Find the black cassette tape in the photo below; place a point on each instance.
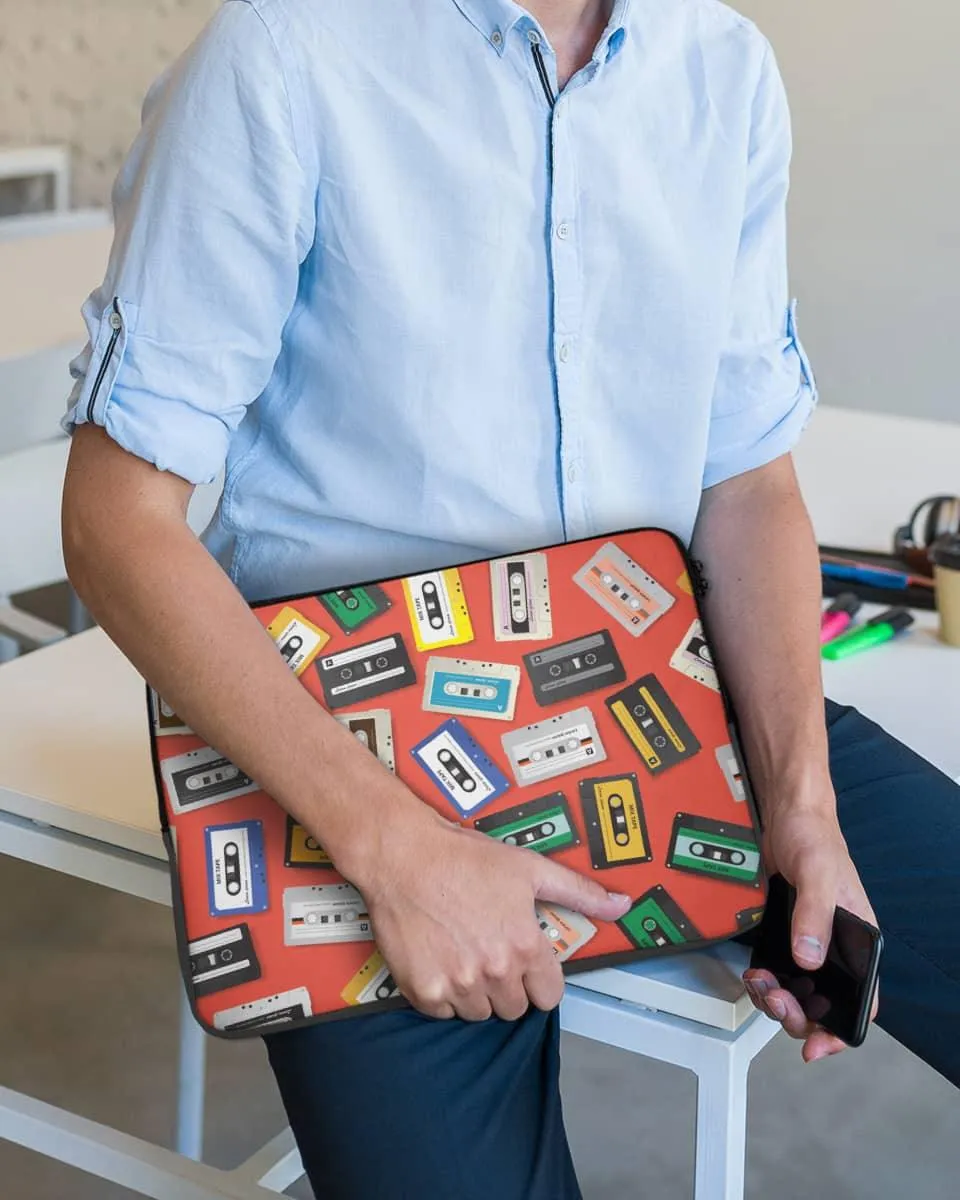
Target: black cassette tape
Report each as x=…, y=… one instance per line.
x=356, y=675
x=573, y=668
x=222, y=960
x=749, y=918
x=653, y=723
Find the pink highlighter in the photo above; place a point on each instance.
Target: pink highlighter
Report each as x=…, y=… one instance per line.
x=839, y=616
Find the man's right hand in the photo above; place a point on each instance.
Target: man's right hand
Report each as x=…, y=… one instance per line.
x=453, y=915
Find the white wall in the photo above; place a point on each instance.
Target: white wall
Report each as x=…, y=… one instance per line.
x=875, y=209
x=74, y=72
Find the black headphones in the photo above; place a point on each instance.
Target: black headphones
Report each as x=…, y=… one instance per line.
x=931, y=519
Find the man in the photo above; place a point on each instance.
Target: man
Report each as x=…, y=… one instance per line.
x=441, y=279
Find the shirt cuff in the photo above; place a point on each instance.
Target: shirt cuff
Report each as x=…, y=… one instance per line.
x=779, y=439
x=160, y=423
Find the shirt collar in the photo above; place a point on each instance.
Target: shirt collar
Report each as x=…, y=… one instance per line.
x=496, y=18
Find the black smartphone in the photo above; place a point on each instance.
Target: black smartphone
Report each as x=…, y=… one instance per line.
x=839, y=995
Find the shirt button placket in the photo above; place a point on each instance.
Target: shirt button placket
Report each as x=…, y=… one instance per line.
x=567, y=306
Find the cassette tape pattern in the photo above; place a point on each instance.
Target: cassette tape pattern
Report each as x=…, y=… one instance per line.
x=583, y=719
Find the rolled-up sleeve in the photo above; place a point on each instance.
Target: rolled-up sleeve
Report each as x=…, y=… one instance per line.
x=765, y=389
x=214, y=215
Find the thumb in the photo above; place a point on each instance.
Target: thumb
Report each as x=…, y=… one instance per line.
x=572, y=890
x=813, y=913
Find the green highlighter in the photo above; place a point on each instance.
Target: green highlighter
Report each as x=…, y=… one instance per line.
x=876, y=631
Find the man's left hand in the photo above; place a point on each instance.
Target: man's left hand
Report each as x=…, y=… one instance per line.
x=805, y=845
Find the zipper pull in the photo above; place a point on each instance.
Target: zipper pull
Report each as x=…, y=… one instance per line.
x=700, y=585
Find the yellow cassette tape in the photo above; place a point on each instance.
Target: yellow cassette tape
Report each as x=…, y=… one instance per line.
x=613, y=815
x=684, y=583
x=303, y=849
x=372, y=982
x=438, y=610
x=298, y=640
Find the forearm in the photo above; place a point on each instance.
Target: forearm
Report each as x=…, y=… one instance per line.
x=759, y=555
x=177, y=616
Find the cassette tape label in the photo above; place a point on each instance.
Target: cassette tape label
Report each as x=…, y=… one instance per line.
x=460, y=768
x=298, y=640
x=614, y=820
x=334, y=912
x=356, y=675
x=236, y=868
x=222, y=960
x=705, y=847
x=373, y=729
x=438, y=610
x=472, y=689
x=572, y=669
x=520, y=591
x=623, y=589
x=652, y=722
x=545, y=825
x=282, y=1009
x=567, y=931
x=656, y=920
x=693, y=658
x=352, y=608
x=203, y=777
x=568, y=742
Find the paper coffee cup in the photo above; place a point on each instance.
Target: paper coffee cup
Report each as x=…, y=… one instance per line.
x=945, y=556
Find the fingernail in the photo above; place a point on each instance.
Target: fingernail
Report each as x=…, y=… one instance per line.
x=756, y=989
x=620, y=897
x=808, y=950
x=777, y=1009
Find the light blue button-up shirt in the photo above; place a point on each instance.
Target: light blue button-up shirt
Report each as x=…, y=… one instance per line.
x=427, y=309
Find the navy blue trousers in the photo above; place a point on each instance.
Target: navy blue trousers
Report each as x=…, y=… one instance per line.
x=402, y=1107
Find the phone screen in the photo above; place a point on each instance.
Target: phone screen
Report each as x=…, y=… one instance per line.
x=838, y=995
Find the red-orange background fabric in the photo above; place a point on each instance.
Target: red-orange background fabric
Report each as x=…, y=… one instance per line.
x=693, y=786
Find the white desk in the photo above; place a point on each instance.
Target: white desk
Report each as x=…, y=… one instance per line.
x=43, y=282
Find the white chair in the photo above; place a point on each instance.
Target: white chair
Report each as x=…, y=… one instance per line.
x=690, y=1010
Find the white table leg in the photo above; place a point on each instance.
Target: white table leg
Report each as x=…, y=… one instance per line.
x=721, y=1128
x=191, y=1082
x=719, y=1059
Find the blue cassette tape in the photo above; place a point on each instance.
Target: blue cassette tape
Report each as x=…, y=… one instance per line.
x=236, y=869
x=473, y=689
x=464, y=772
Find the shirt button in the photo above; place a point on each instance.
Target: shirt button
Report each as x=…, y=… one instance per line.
x=565, y=352
x=563, y=231
x=573, y=471
x=497, y=38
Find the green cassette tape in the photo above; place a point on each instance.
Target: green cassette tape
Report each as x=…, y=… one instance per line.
x=353, y=607
x=545, y=825
x=656, y=920
x=705, y=847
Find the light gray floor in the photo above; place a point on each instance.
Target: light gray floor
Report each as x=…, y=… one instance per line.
x=88, y=999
